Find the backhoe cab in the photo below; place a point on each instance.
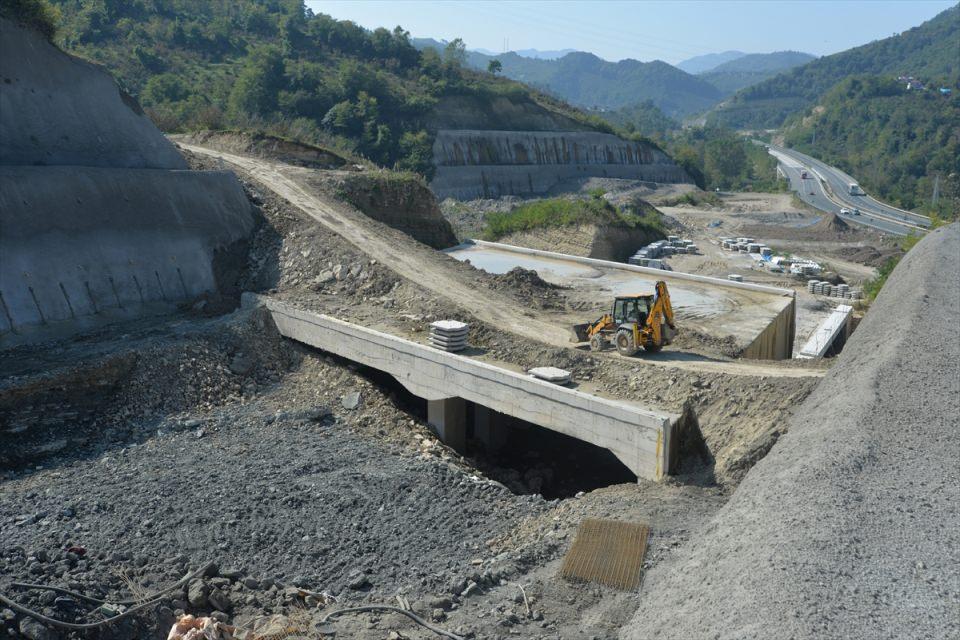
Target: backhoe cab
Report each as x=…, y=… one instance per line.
x=635, y=321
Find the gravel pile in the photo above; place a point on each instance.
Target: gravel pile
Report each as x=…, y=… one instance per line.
x=317, y=481
x=849, y=528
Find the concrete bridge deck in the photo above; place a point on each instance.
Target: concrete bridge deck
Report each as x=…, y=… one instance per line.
x=640, y=438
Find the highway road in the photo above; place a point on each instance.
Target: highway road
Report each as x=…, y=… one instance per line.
x=827, y=188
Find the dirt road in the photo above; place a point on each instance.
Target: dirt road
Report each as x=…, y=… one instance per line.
x=434, y=271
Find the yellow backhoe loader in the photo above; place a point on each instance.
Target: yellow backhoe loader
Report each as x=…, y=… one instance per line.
x=644, y=320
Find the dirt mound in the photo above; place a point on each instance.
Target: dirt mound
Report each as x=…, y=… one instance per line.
x=527, y=284
x=262, y=145
x=869, y=256
x=831, y=223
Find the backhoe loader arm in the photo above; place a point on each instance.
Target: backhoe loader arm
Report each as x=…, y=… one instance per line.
x=661, y=308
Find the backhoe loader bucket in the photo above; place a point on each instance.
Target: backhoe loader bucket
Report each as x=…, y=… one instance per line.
x=579, y=332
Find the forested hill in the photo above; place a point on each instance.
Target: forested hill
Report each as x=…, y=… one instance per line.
x=900, y=143
x=273, y=65
x=929, y=50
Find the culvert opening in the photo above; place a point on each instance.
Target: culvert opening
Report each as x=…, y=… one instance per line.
x=531, y=459
x=523, y=456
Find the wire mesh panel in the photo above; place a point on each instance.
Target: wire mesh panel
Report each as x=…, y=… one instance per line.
x=608, y=552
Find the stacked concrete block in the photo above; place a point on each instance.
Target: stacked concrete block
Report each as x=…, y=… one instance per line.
x=448, y=335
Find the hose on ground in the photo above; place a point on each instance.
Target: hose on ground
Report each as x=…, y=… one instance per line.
x=383, y=607
x=83, y=626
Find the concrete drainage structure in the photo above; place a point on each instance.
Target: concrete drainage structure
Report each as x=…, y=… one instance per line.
x=761, y=319
x=640, y=438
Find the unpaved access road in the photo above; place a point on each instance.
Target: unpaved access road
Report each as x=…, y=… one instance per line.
x=431, y=269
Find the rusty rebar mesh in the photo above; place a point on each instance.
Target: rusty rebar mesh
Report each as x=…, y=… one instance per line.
x=608, y=552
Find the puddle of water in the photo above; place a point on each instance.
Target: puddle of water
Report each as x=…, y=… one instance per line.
x=607, y=283
x=496, y=261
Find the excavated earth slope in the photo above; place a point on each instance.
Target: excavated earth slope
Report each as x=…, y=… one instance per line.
x=849, y=528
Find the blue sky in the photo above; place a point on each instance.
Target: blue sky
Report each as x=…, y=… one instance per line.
x=670, y=31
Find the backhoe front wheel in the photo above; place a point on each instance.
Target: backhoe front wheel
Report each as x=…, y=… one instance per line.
x=597, y=343
x=625, y=343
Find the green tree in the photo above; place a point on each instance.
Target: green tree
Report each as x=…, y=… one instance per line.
x=724, y=161
x=494, y=67
x=260, y=80
x=166, y=87
x=455, y=52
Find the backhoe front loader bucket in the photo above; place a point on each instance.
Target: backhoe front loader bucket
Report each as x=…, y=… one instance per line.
x=579, y=332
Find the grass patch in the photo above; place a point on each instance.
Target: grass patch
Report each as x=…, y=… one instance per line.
x=565, y=212
x=872, y=287
x=694, y=199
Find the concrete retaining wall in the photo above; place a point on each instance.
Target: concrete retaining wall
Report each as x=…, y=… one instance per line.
x=640, y=438
x=776, y=341
x=56, y=109
x=83, y=244
x=489, y=164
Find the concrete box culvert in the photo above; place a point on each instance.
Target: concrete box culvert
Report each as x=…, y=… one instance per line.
x=641, y=438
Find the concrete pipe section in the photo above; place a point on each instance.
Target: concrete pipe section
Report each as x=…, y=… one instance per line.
x=640, y=438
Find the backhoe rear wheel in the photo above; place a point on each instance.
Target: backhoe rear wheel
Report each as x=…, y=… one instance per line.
x=625, y=344
x=597, y=342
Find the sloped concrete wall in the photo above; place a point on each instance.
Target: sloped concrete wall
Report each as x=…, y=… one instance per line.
x=89, y=243
x=488, y=164
x=56, y=109
x=99, y=218
x=850, y=527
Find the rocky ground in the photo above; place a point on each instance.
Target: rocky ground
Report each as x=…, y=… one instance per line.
x=157, y=446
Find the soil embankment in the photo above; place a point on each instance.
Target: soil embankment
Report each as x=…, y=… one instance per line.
x=604, y=242
x=261, y=145
x=849, y=527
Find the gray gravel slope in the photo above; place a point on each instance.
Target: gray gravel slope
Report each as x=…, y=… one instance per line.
x=849, y=528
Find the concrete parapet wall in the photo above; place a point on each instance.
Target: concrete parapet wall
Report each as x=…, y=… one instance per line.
x=640, y=438
x=661, y=273
x=489, y=164
x=79, y=244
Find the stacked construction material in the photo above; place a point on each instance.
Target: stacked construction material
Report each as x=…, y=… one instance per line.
x=834, y=291
x=448, y=335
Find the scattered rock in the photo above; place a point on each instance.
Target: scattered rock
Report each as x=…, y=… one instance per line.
x=351, y=400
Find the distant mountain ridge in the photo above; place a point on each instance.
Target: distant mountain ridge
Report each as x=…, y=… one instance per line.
x=929, y=50
x=708, y=62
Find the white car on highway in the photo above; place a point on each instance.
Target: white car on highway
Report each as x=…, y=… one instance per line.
x=844, y=211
